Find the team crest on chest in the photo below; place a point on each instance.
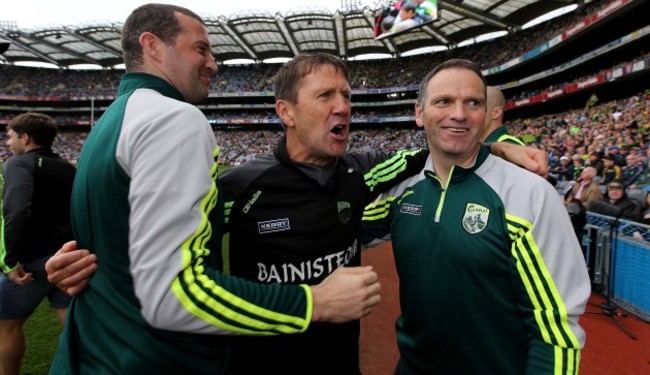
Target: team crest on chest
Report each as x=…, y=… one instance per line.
x=345, y=211
x=475, y=218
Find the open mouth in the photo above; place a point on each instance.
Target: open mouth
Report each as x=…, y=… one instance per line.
x=338, y=130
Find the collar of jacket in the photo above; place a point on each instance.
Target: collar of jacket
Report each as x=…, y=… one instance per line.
x=321, y=174
x=140, y=80
x=458, y=173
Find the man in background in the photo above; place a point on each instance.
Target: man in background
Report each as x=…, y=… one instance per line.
x=611, y=171
x=586, y=189
x=35, y=224
x=495, y=131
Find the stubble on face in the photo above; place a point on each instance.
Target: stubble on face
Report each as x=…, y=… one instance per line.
x=190, y=64
x=318, y=128
x=453, y=116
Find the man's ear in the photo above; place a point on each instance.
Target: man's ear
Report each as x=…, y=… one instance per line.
x=418, y=116
x=26, y=138
x=497, y=112
x=284, y=109
x=150, y=45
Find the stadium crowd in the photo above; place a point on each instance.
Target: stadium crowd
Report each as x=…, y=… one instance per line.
x=365, y=74
x=574, y=139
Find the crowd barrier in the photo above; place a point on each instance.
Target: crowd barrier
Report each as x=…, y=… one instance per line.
x=617, y=253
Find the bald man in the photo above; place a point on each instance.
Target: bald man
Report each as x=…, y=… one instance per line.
x=494, y=130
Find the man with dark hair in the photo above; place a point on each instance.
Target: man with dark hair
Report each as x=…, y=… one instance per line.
x=492, y=278
x=35, y=224
x=147, y=203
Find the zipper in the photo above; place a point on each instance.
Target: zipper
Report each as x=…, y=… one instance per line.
x=443, y=194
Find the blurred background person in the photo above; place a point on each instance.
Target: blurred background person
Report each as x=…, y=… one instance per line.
x=616, y=196
x=36, y=223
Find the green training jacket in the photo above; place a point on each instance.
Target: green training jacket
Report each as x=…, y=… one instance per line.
x=492, y=278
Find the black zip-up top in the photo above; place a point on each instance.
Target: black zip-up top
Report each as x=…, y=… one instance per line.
x=295, y=223
x=35, y=206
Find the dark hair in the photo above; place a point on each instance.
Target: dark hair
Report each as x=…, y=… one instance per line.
x=158, y=19
x=449, y=64
x=387, y=23
x=409, y=7
x=41, y=128
x=287, y=79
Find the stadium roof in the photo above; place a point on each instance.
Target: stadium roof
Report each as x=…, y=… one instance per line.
x=261, y=35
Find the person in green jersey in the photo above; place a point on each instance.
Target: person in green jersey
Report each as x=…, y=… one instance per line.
x=492, y=277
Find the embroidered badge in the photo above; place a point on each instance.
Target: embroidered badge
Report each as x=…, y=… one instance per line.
x=271, y=226
x=475, y=218
x=345, y=212
x=411, y=209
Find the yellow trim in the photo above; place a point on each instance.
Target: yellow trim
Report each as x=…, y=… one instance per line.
x=406, y=194
x=193, y=249
x=283, y=321
x=378, y=210
x=310, y=305
x=511, y=139
x=388, y=169
x=531, y=256
x=443, y=195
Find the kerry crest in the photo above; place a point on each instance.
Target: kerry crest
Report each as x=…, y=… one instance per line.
x=345, y=211
x=475, y=218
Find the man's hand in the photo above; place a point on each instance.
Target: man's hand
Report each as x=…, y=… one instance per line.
x=70, y=269
x=19, y=276
x=347, y=294
x=533, y=159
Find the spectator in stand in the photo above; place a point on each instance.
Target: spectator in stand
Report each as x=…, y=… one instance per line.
x=645, y=214
x=596, y=162
x=618, y=158
x=586, y=189
x=578, y=166
x=564, y=171
x=624, y=150
x=617, y=196
x=611, y=171
x=643, y=179
x=631, y=171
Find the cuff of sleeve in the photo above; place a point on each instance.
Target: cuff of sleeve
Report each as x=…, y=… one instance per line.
x=309, y=304
x=8, y=269
x=487, y=145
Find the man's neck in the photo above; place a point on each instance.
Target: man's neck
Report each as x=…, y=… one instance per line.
x=443, y=163
x=29, y=148
x=300, y=154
